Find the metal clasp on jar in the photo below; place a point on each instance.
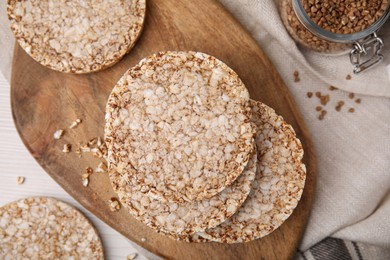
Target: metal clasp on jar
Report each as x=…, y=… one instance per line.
x=366, y=53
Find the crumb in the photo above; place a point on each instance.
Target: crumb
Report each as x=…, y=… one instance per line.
x=58, y=134
x=85, y=149
x=318, y=108
x=131, y=256
x=114, y=204
x=75, y=123
x=358, y=101
x=67, y=148
x=102, y=167
x=331, y=88
x=20, y=180
x=85, y=181
x=92, y=142
x=351, y=110
x=309, y=94
x=351, y=95
x=318, y=94
x=348, y=77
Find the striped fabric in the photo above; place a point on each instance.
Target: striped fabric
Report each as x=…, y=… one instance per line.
x=338, y=249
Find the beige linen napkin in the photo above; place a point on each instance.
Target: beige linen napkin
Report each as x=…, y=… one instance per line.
x=353, y=149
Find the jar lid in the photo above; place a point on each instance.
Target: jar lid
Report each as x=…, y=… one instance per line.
x=337, y=37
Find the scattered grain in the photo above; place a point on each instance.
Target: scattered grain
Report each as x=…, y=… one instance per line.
x=88, y=170
x=351, y=95
x=358, y=101
x=318, y=108
x=340, y=104
x=296, y=76
x=351, y=110
x=309, y=94
x=349, y=77
x=322, y=115
x=324, y=100
x=331, y=88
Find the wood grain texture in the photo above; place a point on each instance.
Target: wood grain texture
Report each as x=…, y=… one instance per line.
x=44, y=101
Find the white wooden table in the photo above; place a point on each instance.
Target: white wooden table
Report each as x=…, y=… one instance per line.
x=15, y=160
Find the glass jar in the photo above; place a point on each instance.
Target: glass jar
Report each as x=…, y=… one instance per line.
x=338, y=28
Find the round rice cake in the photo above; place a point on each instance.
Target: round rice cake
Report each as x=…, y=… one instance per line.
x=182, y=121
x=45, y=228
x=76, y=36
x=278, y=186
x=190, y=216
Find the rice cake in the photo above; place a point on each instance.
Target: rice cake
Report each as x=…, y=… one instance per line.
x=76, y=36
x=182, y=121
x=280, y=179
x=45, y=228
x=190, y=216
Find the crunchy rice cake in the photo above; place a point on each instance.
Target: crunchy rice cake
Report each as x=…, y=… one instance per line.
x=187, y=217
x=278, y=185
x=76, y=36
x=45, y=228
x=182, y=121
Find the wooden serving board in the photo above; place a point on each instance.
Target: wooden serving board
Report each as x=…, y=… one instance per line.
x=44, y=101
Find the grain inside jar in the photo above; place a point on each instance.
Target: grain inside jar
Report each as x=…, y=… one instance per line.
x=334, y=16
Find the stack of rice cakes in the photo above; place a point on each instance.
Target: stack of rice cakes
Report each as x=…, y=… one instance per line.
x=193, y=157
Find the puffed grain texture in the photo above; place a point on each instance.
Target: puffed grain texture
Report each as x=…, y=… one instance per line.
x=76, y=36
x=181, y=120
x=45, y=228
x=278, y=185
x=187, y=217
